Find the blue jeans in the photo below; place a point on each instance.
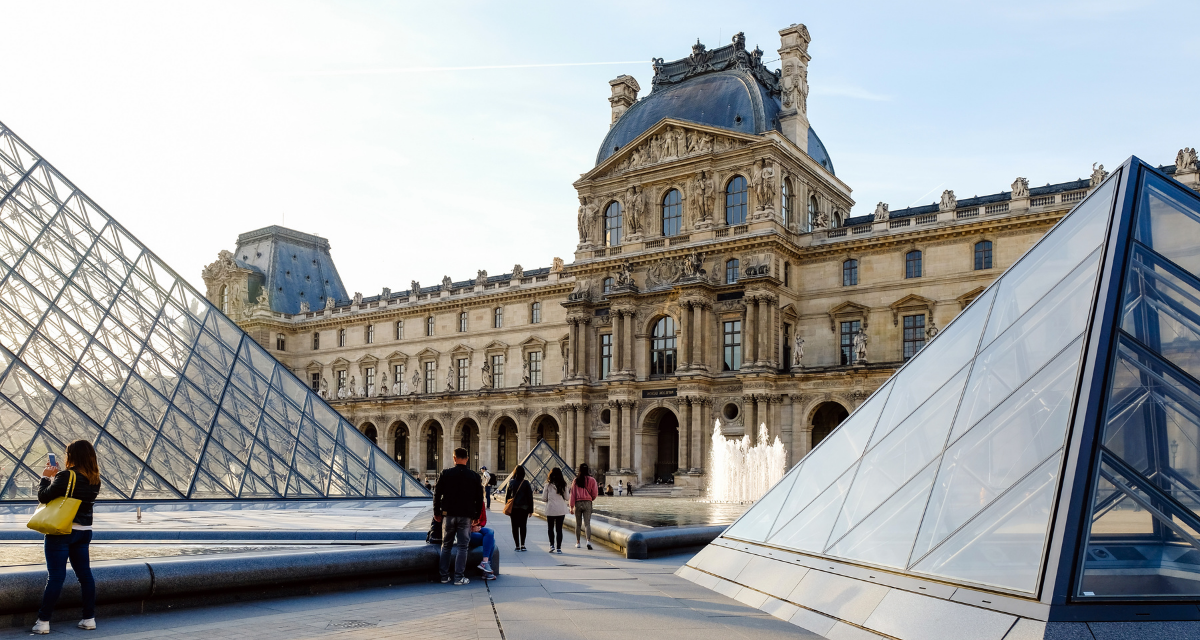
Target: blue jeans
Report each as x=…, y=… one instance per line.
x=456, y=532
x=487, y=538
x=59, y=549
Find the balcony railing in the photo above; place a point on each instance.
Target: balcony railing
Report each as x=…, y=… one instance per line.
x=966, y=213
x=996, y=208
x=655, y=244
x=899, y=222
x=928, y=218
x=1041, y=201
x=678, y=240
x=1073, y=196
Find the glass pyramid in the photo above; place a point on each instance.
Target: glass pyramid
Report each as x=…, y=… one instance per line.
x=538, y=464
x=1046, y=445
x=100, y=340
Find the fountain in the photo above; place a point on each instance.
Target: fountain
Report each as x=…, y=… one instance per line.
x=741, y=471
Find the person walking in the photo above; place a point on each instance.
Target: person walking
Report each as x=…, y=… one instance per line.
x=482, y=535
x=555, y=495
x=487, y=479
x=583, y=491
x=518, y=502
x=457, y=502
x=80, y=480
x=620, y=488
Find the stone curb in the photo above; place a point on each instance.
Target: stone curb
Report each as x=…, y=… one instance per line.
x=226, y=534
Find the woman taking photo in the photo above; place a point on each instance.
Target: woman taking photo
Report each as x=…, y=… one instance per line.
x=583, y=491
x=85, y=486
x=555, y=495
x=520, y=496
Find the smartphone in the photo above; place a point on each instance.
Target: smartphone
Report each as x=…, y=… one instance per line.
x=53, y=463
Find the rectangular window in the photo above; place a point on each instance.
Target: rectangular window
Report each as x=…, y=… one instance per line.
x=430, y=377
x=369, y=378
x=399, y=329
x=848, y=329
x=498, y=318
x=314, y=381
x=849, y=273
x=429, y=326
x=341, y=378
x=983, y=255
x=733, y=344
x=497, y=372
x=787, y=274
x=462, y=322
x=463, y=368
x=341, y=337
x=914, y=335
x=535, y=368
x=370, y=334
x=535, y=313
x=280, y=342
x=912, y=264
x=606, y=355
x=398, y=371
x=316, y=340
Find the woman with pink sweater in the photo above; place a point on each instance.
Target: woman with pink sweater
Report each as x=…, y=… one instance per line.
x=583, y=491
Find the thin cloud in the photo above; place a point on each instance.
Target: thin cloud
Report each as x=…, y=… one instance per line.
x=849, y=91
x=373, y=72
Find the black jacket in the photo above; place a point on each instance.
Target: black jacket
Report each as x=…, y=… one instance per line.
x=459, y=492
x=86, y=493
x=521, y=495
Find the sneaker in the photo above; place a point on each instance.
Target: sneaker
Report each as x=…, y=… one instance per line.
x=488, y=575
x=88, y=624
x=576, y=545
x=41, y=627
x=485, y=566
x=461, y=581
x=551, y=548
x=445, y=579
x=517, y=549
x=589, y=546
x=523, y=548
x=559, y=550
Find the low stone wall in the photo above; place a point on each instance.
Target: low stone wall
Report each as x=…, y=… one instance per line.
x=160, y=583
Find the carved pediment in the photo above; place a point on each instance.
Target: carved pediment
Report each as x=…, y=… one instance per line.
x=428, y=354
x=495, y=345
x=397, y=356
x=667, y=141
x=910, y=302
x=368, y=360
x=533, y=342
x=340, y=363
x=969, y=297
x=461, y=349
x=847, y=311
x=788, y=312
x=314, y=366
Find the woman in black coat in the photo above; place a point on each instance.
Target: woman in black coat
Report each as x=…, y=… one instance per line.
x=521, y=493
x=81, y=463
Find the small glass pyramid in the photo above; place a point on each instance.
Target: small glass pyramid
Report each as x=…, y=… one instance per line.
x=538, y=464
x=1045, y=446
x=100, y=340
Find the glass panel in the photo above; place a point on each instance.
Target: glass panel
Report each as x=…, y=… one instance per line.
x=1021, y=433
x=937, y=362
x=130, y=430
x=90, y=396
x=27, y=392
x=117, y=465
x=208, y=488
x=1072, y=240
x=298, y=488
x=47, y=361
x=194, y=405
x=1031, y=342
x=1168, y=220
x=172, y=465
x=255, y=487
x=223, y=466
x=182, y=433
x=885, y=537
x=153, y=487
x=16, y=431
x=241, y=408
x=310, y=467
x=917, y=440
x=64, y=423
x=276, y=437
x=809, y=530
x=205, y=377
x=756, y=523
x=144, y=400
x=1003, y=545
x=234, y=438
x=1162, y=310
x=64, y=334
x=215, y=354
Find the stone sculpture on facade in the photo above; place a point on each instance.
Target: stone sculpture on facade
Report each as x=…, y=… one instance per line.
x=447, y=283
x=329, y=303
x=798, y=353
x=481, y=277
x=587, y=219
x=624, y=277
x=704, y=198
x=517, y=272
x=304, y=306
x=582, y=290
x=397, y=387
x=763, y=181
x=324, y=392
x=557, y=265
x=932, y=330
x=1098, y=175
x=416, y=383
x=357, y=299
x=525, y=372
x=1185, y=160
x=450, y=377
x=1020, y=188
x=414, y=288
x=860, y=347
x=635, y=207
x=383, y=385
x=949, y=202
x=820, y=220
x=881, y=212
x=486, y=374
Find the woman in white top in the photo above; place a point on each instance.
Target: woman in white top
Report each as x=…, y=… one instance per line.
x=555, y=495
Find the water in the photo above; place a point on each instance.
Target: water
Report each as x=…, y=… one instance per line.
x=741, y=471
x=666, y=512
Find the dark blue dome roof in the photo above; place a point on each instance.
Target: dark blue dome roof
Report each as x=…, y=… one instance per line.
x=731, y=99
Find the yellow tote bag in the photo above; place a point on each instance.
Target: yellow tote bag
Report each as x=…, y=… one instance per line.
x=55, y=517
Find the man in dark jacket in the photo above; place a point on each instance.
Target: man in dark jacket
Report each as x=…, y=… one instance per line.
x=457, y=502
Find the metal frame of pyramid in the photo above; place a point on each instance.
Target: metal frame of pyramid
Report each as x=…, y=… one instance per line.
x=1036, y=466
x=541, y=459
x=100, y=340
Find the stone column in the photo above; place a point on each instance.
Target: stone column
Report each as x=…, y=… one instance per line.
x=618, y=340
x=614, y=436
x=573, y=346
x=764, y=331
x=685, y=338
x=627, y=436
x=685, y=433
x=700, y=354
x=627, y=324
x=702, y=429
x=750, y=332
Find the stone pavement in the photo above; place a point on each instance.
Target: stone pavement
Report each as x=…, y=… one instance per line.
x=579, y=594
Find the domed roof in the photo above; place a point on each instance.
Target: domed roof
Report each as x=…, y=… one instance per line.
x=726, y=87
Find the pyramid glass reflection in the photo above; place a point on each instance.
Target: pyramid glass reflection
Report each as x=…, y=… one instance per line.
x=99, y=340
x=541, y=460
x=1045, y=446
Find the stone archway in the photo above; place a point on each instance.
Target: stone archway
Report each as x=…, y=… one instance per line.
x=546, y=428
x=431, y=445
x=368, y=429
x=468, y=438
x=826, y=417
x=400, y=443
x=659, y=446
x=507, y=453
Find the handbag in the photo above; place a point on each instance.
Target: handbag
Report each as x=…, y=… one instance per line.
x=508, y=507
x=55, y=517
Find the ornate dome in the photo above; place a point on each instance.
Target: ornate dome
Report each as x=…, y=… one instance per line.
x=726, y=87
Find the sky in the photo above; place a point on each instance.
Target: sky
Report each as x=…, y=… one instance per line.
x=440, y=138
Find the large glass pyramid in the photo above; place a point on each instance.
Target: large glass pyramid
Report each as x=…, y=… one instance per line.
x=100, y=340
x=538, y=464
x=1044, y=447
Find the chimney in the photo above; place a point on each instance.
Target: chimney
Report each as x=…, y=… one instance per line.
x=793, y=56
x=624, y=94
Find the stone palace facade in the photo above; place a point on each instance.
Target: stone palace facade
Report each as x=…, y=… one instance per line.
x=718, y=276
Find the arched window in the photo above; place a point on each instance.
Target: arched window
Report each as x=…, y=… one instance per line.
x=606, y=287
x=912, y=264
x=838, y=219
x=672, y=213
x=399, y=329
x=498, y=317
x=341, y=337
x=535, y=313
x=731, y=271
x=429, y=326
x=224, y=299
x=612, y=224
x=849, y=273
x=316, y=340
x=280, y=342
x=462, y=322
x=370, y=334
x=813, y=210
x=662, y=347
x=785, y=200
x=735, y=201
x=983, y=255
